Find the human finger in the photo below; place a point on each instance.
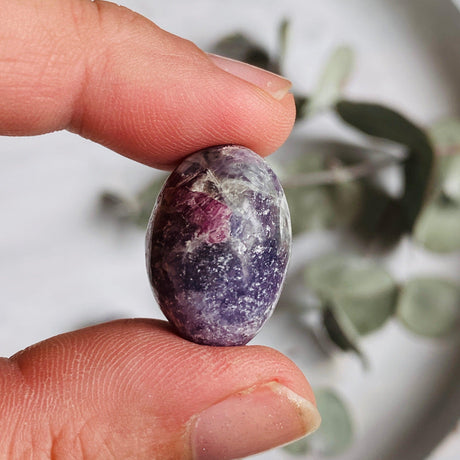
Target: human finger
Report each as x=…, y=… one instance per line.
x=111, y=75
x=133, y=388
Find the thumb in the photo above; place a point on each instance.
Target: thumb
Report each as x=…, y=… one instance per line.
x=133, y=389
x=111, y=75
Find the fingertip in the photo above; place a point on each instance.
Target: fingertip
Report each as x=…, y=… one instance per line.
x=130, y=377
x=251, y=421
x=275, y=85
x=120, y=80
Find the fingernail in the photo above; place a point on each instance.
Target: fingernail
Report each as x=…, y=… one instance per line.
x=271, y=83
x=252, y=421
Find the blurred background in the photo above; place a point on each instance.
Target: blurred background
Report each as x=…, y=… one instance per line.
x=372, y=172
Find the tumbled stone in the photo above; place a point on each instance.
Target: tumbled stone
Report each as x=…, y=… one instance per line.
x=218, y=244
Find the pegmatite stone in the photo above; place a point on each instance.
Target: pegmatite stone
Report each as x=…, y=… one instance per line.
x=218, y=244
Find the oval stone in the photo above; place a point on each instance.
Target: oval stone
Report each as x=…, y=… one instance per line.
x=218, y=245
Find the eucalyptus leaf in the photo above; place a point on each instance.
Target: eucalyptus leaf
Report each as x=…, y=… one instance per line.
x=336, y=431
x=450, y=177
x=445, y=136
x=383, y=122
x=240, y=47
x=348, y=198
x=332, y=80
x=379, y=223
x=345, y=178
x=367, y=294
x=342, y=332
x=301, y=104
x=321, y=191
x=283, y=36
x=119, y=205
x=430, y=306
x=324, y=273
x=135, y=209
x=311, y=161
x=321, y=276
x=311, y=209
x=147, y=198
x=438, y=228
x=359, y=288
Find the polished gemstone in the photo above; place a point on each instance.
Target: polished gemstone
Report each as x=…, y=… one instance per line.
x=218, y=245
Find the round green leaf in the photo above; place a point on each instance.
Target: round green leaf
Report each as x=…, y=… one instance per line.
x=342, y=332
x=335, y=433
x=445, y=136
x=380, y=121
x=451, y=178
x=365, y=292
x=332, y=80
x=430, y=306
x=438, y=228
x=311, y=209
x=324, y=273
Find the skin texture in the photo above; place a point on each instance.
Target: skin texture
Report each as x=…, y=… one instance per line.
x=123, y=388
x=126, y=389
x=111, y=75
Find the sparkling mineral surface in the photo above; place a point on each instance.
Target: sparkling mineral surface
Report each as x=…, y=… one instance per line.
x=218, y=244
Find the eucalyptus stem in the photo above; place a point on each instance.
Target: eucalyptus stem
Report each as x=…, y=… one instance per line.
x=338, y=175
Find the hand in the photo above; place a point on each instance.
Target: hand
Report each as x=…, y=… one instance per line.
x=133, y=388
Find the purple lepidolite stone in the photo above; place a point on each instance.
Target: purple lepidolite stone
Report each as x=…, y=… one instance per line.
x=218, y=245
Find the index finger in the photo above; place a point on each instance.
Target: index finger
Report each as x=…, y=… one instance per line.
x=111, y=75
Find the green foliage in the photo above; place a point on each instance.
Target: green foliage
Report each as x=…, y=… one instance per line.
x=283, y=38
x=312, y=208
x=335, y=191
x=135, y=209
x=430, y=307
x=121, y=206
x=147, y=197
x=331, y=81
x=445, y=135
x=338, y=187
x=335, y=433
x=366, y=293
x=301, y=104
x=450, y=177
x=323, y=273
x=321, y=187
x=359, y=288
x=438, y=228
x=383, y=122
x=357, y=296
x=342, y=332
x=240, y=47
